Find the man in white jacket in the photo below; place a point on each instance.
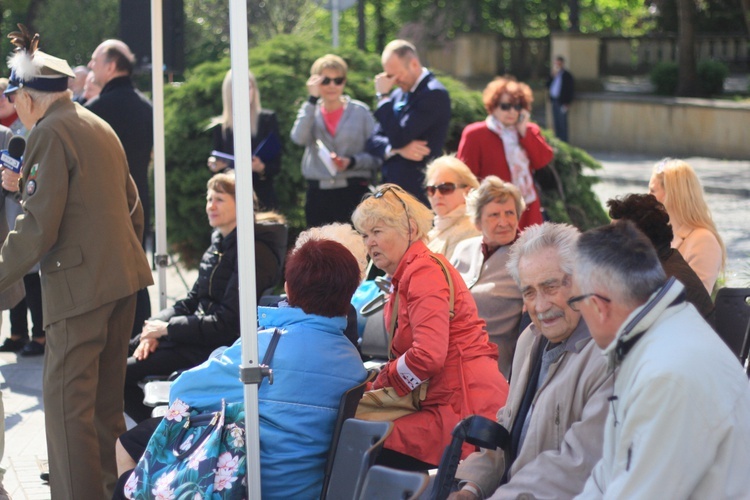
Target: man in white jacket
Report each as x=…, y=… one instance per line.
x=679, y=423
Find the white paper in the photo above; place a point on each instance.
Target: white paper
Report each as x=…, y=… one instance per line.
x=325, y=156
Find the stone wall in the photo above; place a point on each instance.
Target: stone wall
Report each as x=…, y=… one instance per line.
x=660, y=126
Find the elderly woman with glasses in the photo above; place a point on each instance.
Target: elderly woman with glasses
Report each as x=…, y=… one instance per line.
x=452, y=354
x=334, y=129
x=507, y=144
x=448, y=181
x=494, y=209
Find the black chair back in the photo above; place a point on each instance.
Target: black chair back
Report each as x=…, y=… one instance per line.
x=731, y=319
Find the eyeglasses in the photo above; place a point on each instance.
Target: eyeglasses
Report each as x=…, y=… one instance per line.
x=339, y=80
x=445, y=188
x=574, y=300
x=505, y=106
x=11, y=97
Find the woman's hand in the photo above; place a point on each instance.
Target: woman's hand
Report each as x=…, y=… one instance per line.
x=523, y=121
x=154, y=329
x=145, y=348
x=313, y=85
x=258, y=166
x=341, y=162
x=215, y=164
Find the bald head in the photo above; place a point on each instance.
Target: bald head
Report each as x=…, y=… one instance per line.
x=111, y=59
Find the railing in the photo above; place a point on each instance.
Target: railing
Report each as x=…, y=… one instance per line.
x=628, y=56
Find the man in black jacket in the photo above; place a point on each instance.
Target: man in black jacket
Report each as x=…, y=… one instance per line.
x=561, y=90
x=130, y=114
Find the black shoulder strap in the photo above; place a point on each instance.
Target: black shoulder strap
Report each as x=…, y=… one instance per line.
x=271, y=347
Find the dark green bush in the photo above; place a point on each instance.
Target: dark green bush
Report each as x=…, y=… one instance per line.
x=711, y=76
x=281, y=66
x=665, y=77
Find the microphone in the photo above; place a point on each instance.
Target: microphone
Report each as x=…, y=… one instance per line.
x=12, y=158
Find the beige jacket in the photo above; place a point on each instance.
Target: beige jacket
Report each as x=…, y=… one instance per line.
x=564, y=439
x=77, y=220
x=450, y=231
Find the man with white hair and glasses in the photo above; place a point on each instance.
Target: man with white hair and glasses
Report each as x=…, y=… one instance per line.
x=557, y=403
x=679, y=421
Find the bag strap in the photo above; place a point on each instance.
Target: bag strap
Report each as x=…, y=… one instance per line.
x=451, y=304
x=217, y=419
x=270, y=351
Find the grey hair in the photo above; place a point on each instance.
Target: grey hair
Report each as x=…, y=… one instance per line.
x=619, y=261
x=340, y=233
x=492, y=188
x=45, y=99
x=559, y=237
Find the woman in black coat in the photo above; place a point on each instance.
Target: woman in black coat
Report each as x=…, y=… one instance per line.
x=263, y=124
x=184, y=335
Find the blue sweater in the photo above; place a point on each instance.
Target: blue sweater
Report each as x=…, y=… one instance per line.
x=314, y=364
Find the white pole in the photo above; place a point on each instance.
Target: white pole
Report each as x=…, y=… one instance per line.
x=335, y=22
x=157, y=78
x=245, y=230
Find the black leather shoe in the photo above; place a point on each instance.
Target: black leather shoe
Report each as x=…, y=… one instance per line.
x=11, y=345
x=32, y=349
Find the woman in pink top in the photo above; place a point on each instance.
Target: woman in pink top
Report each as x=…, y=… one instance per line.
x=675, y=184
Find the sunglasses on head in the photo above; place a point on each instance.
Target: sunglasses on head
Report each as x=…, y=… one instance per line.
x=506, y=106
x=339, y=80
x=444, y=188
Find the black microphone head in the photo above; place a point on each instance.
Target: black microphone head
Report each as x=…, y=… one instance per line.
x=16, y=146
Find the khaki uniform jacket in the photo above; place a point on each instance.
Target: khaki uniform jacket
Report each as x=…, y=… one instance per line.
x=564, y=438
x=77, y=220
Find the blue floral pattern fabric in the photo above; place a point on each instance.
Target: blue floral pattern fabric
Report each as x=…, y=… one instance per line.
x=193, y=455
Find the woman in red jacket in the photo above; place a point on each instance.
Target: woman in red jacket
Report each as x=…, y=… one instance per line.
x=507, y=144
x=454, y=354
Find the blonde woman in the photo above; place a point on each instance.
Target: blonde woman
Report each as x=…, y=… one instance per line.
x=454, y=354
x=675, y=184
x=334, y=129
x=263, y=123
x=449, y=181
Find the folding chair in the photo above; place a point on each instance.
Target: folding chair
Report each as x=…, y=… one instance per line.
x=347, y=409
x=384, y=483
x=358, y=448
x=731, y=318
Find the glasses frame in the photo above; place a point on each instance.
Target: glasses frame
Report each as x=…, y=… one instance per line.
x=395, y=189
x=444, y=188
x=507, y=106
x=11, y=97
x=574, y=300
x=338, y=81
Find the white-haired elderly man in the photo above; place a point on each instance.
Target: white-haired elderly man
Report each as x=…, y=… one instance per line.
x=679, y=424
x=560, y=386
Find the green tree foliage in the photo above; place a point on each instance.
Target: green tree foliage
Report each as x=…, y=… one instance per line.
x=281, y=66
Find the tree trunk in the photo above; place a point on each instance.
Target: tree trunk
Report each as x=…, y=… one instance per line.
x=688, y=80
x=746, y=12
x=573, y=14
x=380, y=28
x=361, y=26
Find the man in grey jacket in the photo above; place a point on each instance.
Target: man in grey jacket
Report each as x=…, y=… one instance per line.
x=557, y=403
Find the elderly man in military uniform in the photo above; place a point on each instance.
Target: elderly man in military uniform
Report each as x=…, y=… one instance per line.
x=81, y=221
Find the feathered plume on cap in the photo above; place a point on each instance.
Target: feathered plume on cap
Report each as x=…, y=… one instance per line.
x=33, y=68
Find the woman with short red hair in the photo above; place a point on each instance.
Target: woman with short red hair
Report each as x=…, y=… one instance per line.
x=507, y=144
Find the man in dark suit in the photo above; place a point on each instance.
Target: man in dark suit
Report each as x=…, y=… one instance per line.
x=412, y=120
x=130, y=114
x=82, y=222
x=561, y=90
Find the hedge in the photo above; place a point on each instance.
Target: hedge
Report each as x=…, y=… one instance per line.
x=282, y=66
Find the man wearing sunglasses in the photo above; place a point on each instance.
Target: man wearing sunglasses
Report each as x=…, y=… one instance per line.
x=412, y=119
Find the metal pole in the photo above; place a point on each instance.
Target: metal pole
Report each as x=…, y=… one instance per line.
x=157, y=77
x=335, y=23
x=245, y=231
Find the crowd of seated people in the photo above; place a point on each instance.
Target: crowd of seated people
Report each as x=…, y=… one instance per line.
x=461, y=275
